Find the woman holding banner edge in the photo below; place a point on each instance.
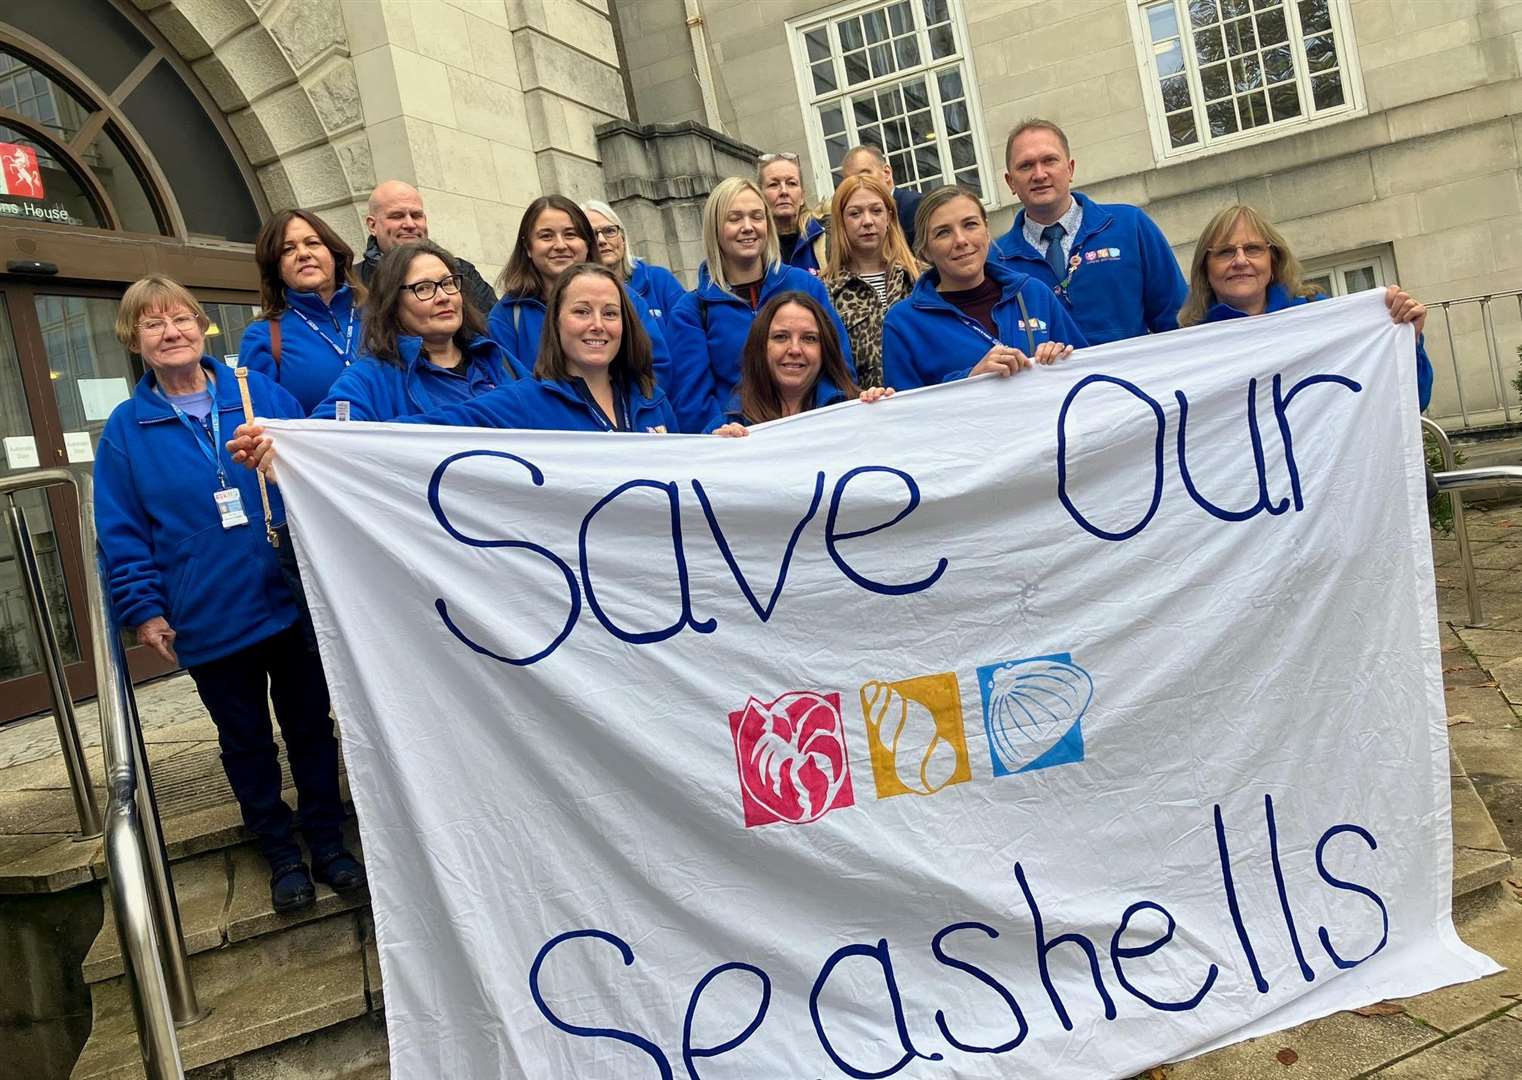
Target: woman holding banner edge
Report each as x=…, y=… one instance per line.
x=1243, y=266
x=968, y=314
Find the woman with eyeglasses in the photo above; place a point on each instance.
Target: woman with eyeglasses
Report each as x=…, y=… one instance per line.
x=741, y=271
x=1243, y=266
x=424, y=346
x=969, y=314
x=593, y=374
x=187, y=567
x=553, y=235
x=658, y=287
x=309, y=329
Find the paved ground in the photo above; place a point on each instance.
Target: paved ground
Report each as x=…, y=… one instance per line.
x=1470, y=1032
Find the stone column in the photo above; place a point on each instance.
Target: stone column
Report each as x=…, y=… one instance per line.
x=658, y=176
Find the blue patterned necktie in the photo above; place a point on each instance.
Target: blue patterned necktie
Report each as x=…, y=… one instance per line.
x=1053, y=234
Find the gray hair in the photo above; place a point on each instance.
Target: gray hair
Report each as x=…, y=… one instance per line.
x=597, y=206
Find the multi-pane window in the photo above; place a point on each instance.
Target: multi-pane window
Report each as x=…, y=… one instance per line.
x=1343, y=275
x=895, y=75
x=1224, y=68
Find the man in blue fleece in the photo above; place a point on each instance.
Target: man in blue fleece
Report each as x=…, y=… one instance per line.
x=1109, y=264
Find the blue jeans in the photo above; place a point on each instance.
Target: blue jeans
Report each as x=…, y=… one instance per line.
x=234, y=690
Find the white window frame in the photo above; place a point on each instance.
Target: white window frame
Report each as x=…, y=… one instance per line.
x=1164, y=154
x=1380, y=259
x=819, y=159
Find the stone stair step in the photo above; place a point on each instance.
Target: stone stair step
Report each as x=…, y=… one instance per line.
x=260, y=992
x=1480, y=858
x=224, y=898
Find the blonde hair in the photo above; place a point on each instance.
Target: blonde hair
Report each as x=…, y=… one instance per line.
x=597, y=206
x=1285, y=267
x=153, y=293
x=895, y=247
x=932, y=202
x=722, y=197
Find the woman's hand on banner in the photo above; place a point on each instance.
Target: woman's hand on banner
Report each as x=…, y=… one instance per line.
x=1049, y=352
x=1001, y=360
x=732, y=431
x=158, y=635
x=1405, y=308
x=875, y=393
x=252, y=448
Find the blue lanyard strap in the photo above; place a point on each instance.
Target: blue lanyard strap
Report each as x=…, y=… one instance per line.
x=341, y=350
x=211, y=451
x=977, y=327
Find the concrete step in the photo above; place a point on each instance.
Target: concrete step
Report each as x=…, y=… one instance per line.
x=224, y=899
x=261, y=992
x=1480, y=860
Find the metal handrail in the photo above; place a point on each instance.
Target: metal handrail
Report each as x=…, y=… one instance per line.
x=1460, y=529
x=1498, y=379
x=142, y=891
x=43, y=624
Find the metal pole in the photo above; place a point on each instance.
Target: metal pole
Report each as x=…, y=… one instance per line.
x=122, y=737
x=1495, y=359
x=52, y=661
x=1453, y=357
x=1460, y=529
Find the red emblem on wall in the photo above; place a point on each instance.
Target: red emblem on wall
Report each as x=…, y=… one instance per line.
x=19, y=173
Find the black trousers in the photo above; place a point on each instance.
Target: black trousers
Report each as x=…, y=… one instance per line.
x=234, y=691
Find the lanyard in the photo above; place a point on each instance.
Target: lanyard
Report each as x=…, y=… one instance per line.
x=341, y=350
x=620, y=407
x=1075, y=260
x=976, y=327
x=197, y=432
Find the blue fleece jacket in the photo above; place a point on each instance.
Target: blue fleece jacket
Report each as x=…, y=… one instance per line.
x=657, y=286
x=310, y=359
x=161, y=537
x=804, y=255
x=1127, y=283
x=927, y=340
x=548, y=405
x=707, y=332
x=825, y=393
x=380, y=390
x=1279, y=299
x=517, y=322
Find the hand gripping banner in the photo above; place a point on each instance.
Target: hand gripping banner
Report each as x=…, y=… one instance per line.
x=1058, y=725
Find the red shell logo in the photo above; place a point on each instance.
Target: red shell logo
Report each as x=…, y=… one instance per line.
x=19, y=173
x=791, y=754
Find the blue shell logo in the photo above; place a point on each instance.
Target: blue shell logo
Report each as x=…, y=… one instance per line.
x=1032, y=712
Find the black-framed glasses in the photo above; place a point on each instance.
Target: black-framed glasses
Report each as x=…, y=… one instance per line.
x=1227, y=252
x=425, y=290
x=609, y=232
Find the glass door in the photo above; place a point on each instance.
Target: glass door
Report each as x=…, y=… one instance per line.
x=22, y=678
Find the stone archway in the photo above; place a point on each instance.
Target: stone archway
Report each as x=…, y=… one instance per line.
x=281, y=73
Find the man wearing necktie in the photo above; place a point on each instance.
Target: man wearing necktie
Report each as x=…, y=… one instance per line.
x=1108, y=263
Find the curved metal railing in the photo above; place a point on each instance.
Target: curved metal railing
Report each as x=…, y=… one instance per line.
x=142, y=891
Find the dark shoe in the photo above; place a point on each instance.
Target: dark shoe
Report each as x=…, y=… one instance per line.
x=341, y=870
x=291, y=888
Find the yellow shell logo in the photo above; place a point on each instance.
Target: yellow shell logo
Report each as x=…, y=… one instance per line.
x=915, y=735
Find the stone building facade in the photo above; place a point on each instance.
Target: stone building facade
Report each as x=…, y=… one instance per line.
x=1398, y=161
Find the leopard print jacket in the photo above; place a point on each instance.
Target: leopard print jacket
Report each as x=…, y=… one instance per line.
x=862, y=313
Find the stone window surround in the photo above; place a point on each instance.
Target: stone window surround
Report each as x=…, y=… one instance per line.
x=1380, y=259
x=818, y=157
x=1162, y=152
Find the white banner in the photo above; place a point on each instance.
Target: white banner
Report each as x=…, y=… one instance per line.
x=1059, y=725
